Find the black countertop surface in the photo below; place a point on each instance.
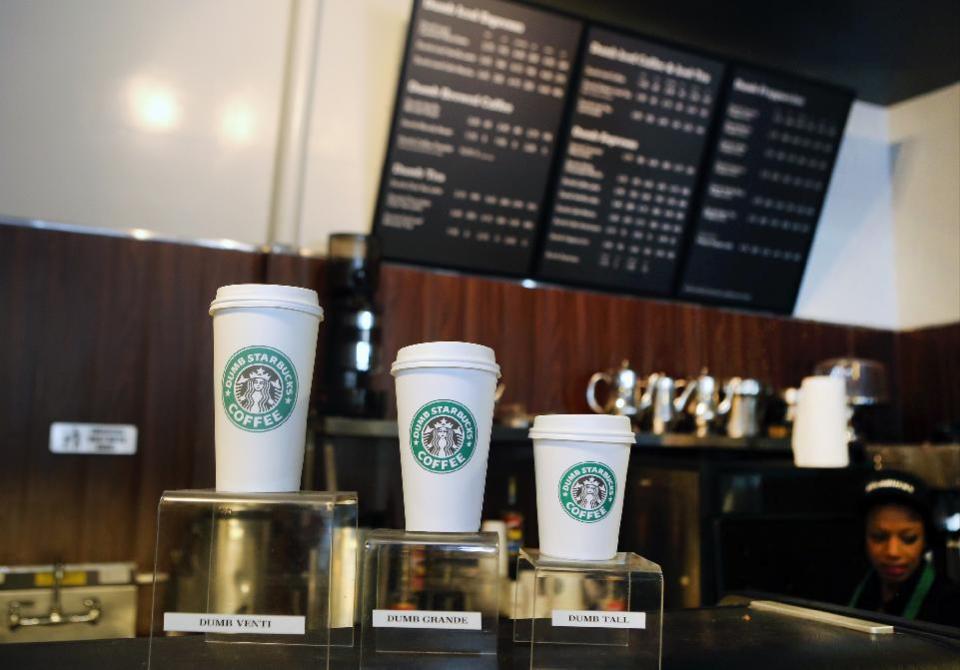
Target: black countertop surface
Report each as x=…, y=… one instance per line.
x=716, y=639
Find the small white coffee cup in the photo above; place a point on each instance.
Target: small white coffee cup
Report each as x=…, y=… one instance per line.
x=820, y=438
x=264, y=345
x=445, y=395
x=581, y=467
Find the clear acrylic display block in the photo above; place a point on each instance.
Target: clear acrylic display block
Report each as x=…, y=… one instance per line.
x=254, y=568
x=428, y=593
x=616, y=603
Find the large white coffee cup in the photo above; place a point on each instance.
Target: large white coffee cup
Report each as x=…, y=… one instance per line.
x=264, y=344
x=581, y=465
x=445, y=395
x=820, y=438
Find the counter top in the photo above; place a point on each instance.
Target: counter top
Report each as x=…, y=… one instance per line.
x=734, y=638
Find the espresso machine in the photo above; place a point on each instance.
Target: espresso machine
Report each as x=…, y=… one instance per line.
x=350, y=373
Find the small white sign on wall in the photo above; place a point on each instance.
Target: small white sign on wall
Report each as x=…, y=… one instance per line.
x=103, y=439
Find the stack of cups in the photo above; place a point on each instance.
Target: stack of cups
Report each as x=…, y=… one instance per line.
x=264, y=344
x=445, y=395
x=581, y=465
x=820, y=437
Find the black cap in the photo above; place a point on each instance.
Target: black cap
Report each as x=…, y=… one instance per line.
x=891, y=487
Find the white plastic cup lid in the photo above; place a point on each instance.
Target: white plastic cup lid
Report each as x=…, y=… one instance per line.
x=446, y=355
x=583, y=428
x=268, y=295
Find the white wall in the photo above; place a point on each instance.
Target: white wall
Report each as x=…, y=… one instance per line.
x=141, y=114
x=925, y=137
x=851, y=274
x=360, y=55
x=887, y=251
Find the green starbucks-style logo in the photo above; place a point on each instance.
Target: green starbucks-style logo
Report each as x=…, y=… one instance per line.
x=443, y=435
x=587, y=491
x=259, y=388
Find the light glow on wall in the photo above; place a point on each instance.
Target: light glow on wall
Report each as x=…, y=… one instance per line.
x=153, y=105
x=237, y=123
x=141, y=234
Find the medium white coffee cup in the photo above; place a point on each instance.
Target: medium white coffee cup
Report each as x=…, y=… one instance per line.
x=820, y=438
x=581, y=466
x=264, y=344
x=445, y=395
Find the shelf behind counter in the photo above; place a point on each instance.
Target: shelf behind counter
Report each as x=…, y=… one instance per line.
x=722, y=513
x=345, y=427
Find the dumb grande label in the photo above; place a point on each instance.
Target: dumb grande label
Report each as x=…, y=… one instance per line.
x=259, y=388
x=587, y=491
x=443, y=436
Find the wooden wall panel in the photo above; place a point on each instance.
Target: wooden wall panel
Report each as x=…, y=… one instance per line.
x=66, y=347
x=486, y=318
x=550, y=340
x=928, y=363
x=107, y=330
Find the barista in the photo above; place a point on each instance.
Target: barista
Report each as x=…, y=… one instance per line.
x=899, y=536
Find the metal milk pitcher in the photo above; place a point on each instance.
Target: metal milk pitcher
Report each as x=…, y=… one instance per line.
x=705, y=404
x=657, y=400
x=741, y=407
x=621, y=394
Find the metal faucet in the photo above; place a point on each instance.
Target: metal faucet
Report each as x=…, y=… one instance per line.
x=55, y=616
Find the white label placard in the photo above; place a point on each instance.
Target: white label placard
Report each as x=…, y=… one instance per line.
x=593, y=619
x=245, y=624
x=426, y=619
x=104, y=439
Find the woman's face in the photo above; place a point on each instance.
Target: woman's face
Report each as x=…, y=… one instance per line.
x=895, y=542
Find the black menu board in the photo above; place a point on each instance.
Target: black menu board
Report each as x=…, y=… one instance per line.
x=771, y=166
x=478, y=109
x=632, y=155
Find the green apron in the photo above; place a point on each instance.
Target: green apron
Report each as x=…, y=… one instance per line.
x=916, y=599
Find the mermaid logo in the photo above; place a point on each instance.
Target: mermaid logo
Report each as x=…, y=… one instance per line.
x=587, y=491
x=443, y=435
x=260, y=392
x=259, y=388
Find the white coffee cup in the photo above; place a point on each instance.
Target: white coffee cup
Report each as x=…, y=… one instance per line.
x=820, y=438
x=264, y=345
x=445, y=395
x=581, y=466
